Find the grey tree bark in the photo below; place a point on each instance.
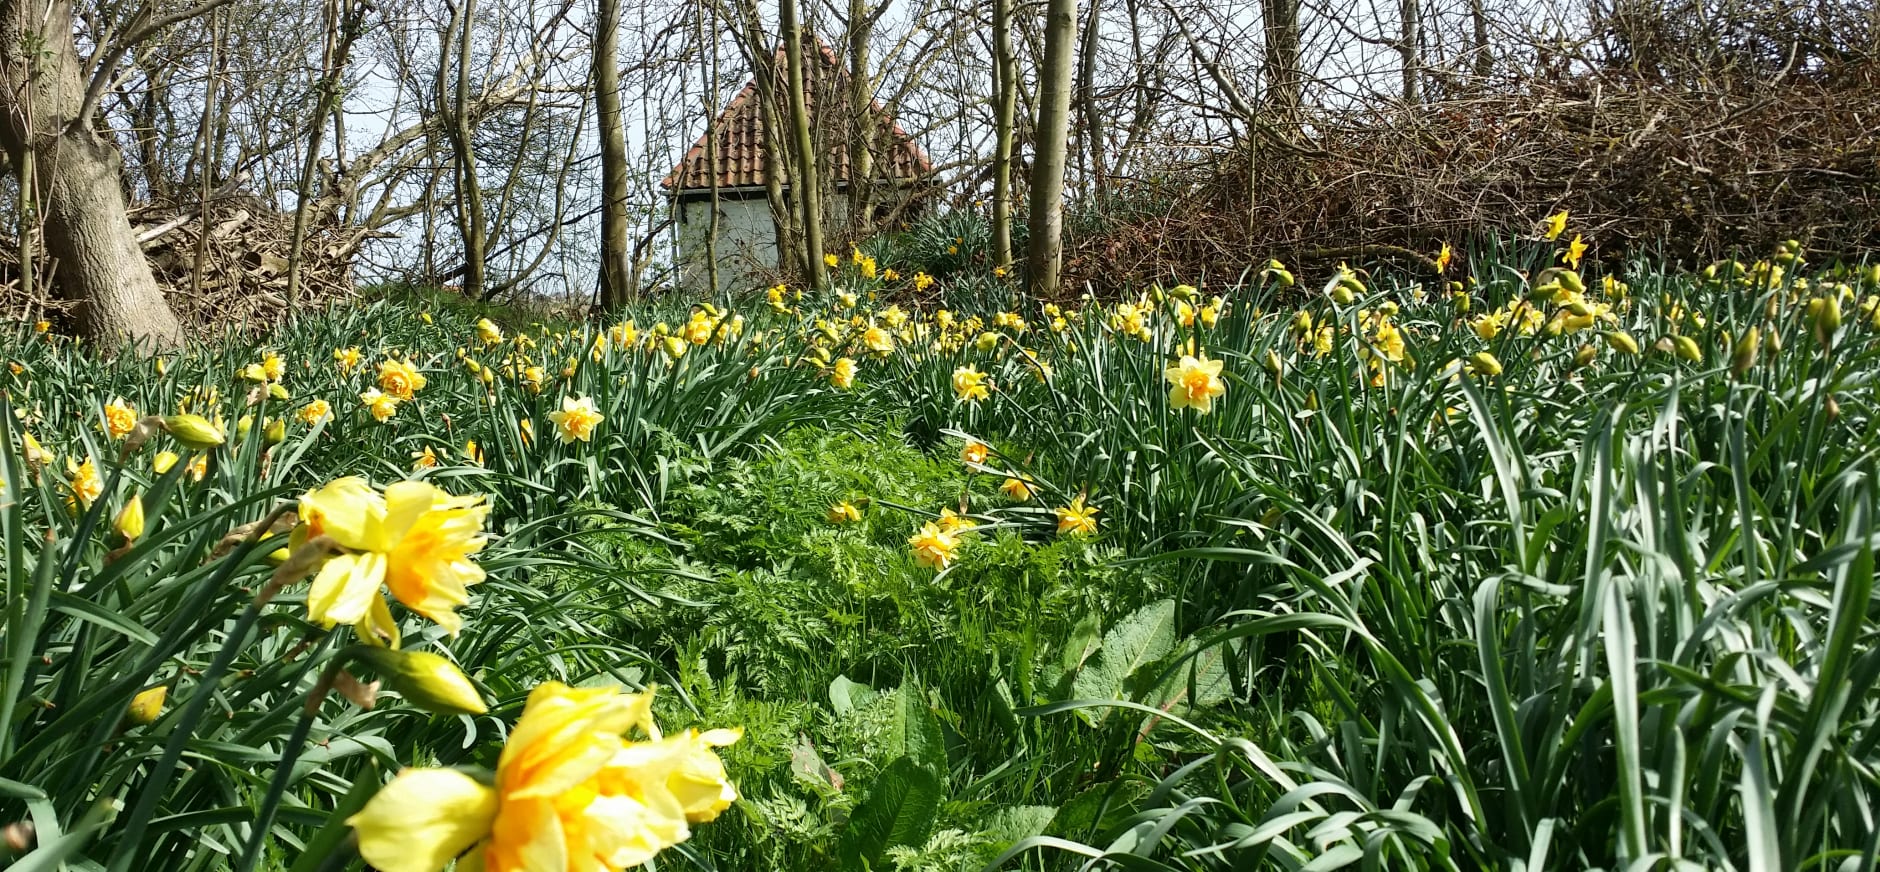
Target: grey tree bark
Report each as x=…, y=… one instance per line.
x=1044, y=257
x=861, y=143
x=344, y=19
x=47, y=107
x=805, y=185
x=1280, y=19
x=1005, y=106
x=470, y=219
x=616, y=247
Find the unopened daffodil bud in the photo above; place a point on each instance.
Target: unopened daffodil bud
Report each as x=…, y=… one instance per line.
x=146, y=706
x=1743, y=355
x=424, y=679
x=1825, y=312
x=1622, y=342
x=194, y=431
x=1686, y=348
x=1484, y=363
x=130, y=519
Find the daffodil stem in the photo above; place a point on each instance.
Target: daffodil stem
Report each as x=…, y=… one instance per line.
x=290, y=754
x=129, y=841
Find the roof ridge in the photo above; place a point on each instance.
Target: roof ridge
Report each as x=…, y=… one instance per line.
x=739, y=128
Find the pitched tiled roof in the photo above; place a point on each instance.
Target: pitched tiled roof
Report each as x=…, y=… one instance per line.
x=740, y=129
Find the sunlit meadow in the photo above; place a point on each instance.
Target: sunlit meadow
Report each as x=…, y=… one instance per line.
x=1525, y=564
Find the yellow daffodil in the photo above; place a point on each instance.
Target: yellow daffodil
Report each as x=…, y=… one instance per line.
x=400, y=379
x=1575, y=250
x=488, y=333
x=1017, y=489
x=969, y=384
x=472, y=452
x=382, y=405
x=842, y=373
x=831, y=261
x=1443, y=258
x=623, y=335
x=1076, y=519
x=84, y=486
x=1194, y=383
x=974, y=452
x=413, y=539
x=347, y=358
x=576, y=420
x=844, y=513
x=1555, y=225
x=426, y=459
x=163, y=462
x=934, y=547
x=951, y=522
x=314, y=412
x=119, y=418
x=571, y=791
x=877, y=341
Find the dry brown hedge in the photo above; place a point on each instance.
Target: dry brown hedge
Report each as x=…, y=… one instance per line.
x=1695, y=174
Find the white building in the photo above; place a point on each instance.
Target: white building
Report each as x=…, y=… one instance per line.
x=746, y=242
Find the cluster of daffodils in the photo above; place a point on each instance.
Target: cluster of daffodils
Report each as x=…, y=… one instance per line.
x=572, y=790
x=936, y=543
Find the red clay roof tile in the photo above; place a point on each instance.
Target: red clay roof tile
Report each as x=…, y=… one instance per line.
x=740, y=129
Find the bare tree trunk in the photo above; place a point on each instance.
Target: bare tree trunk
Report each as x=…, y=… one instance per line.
x=46, y=109
x=1283, y=99
x=1005, y=88
x=1044, y=260
x=1087, y=94
x=809, y=194
x=1409, y=38
x=616, y=254
x=709, y=53
x=343, y=20
x=470, y=224
x=754, y=40
x=862, y=122
x=1484, y=61
x=27, y=212
x=205, y=156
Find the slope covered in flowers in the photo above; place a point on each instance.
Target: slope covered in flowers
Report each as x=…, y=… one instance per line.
x=1533, y=568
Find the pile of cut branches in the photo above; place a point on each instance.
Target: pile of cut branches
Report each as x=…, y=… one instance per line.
x=228, y=272
x=1694, y=174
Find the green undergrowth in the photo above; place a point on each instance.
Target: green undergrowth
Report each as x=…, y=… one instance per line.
x=841, y=656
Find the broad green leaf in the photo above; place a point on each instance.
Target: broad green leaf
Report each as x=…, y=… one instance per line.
x=899, y=810
x=1135, y=642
